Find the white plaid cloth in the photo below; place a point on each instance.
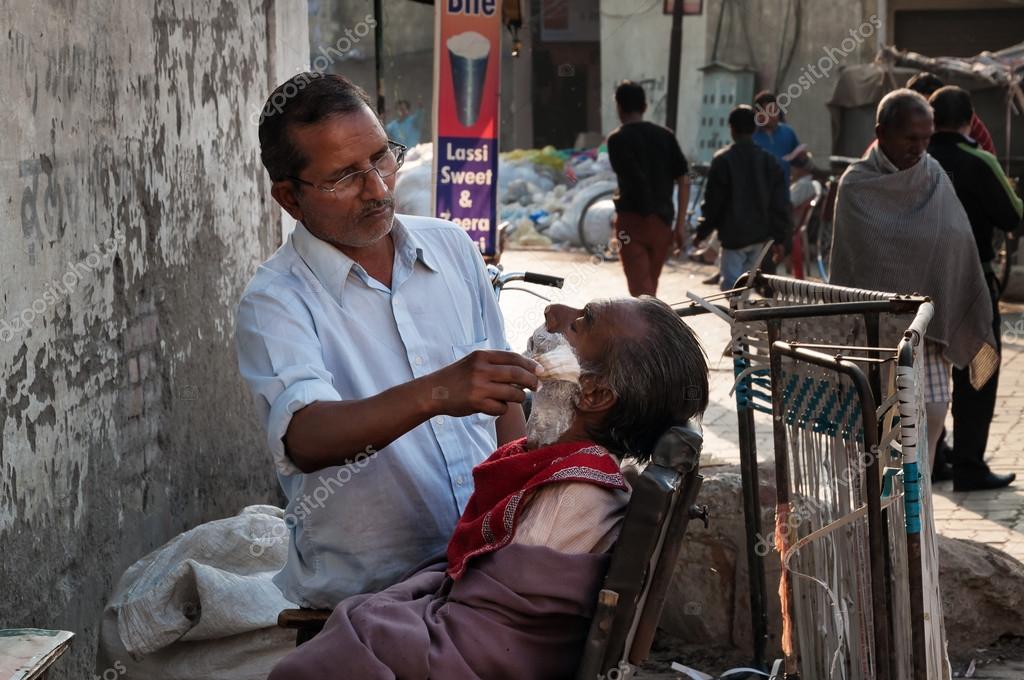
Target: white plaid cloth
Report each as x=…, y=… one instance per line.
x=936, y=375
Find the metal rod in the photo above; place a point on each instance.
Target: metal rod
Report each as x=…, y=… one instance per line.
x=911, y=486
x=892, y=305
x=696, y=310
x=378, y=53
x=749, y=480
x=675, y=55
x=782, y=492
x=891, y=350
x=873, y=327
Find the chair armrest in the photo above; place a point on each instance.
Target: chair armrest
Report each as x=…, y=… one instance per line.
x=302, y=618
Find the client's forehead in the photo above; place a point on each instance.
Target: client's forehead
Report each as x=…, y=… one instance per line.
x=617, y=317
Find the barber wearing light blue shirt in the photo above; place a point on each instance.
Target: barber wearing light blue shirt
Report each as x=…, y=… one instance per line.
x=375, y=351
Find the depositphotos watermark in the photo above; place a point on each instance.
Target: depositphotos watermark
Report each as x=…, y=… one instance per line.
x=57, y=289
x=342, y=47
x=811, y=73
x=1013, y=329
x=310, y=501
x=112, y=673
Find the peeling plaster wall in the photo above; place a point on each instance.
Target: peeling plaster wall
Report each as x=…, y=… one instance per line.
x=634, y=46
x=133, y=210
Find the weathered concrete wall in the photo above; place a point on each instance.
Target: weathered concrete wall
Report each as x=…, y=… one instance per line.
x=823, y=43
x=635, y=44
x=133, y=210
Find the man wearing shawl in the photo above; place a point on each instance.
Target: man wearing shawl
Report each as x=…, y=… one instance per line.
x=516, y=593
x=900, y=227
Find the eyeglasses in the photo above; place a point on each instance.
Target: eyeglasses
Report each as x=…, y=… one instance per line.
x=387, y=165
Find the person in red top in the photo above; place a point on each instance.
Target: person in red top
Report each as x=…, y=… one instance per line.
x=927, y=83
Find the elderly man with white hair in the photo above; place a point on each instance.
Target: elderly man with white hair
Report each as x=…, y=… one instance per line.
x=515, y=594
x=900, y=227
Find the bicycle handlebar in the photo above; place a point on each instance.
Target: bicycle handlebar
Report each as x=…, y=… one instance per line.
x=543, y=279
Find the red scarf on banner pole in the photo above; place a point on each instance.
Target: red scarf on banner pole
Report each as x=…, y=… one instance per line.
x=502, y=480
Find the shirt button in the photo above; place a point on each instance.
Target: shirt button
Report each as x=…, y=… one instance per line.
x=439, y=420
x=460, y=480
x=419, y=361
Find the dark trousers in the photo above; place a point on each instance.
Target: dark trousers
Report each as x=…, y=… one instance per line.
x=646, y=240
x=973, y=409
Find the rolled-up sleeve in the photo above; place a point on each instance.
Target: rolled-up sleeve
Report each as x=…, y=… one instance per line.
x=280, y=358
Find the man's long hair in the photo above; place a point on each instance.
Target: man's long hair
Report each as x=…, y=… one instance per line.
x=660, y=380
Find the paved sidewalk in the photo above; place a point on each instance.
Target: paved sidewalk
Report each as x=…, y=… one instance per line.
x=996, y=518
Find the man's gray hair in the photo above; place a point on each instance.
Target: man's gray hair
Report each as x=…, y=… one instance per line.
x=898, y=104
x=660, y=379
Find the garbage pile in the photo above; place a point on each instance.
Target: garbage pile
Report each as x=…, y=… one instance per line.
x=543, y=194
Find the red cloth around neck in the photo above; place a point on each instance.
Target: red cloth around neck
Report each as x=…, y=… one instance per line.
x=502, y=480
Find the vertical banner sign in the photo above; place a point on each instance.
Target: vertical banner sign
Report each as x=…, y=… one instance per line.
x=467, y=64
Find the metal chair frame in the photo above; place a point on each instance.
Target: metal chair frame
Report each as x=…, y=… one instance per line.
x=813, y=299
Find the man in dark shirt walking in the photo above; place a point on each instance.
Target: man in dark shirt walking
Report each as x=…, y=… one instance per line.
x=746, y=200
x=649, y=164
x=990, y=203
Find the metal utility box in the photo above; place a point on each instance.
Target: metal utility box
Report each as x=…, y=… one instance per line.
x=725, y=86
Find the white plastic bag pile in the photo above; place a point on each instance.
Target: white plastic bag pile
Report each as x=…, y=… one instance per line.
x=203, y=605
x=540, y=194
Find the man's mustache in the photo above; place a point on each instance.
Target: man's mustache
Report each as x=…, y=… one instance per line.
x=373, y=206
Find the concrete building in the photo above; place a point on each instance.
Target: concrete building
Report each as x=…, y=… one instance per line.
x=133, y=210
x=788, y=45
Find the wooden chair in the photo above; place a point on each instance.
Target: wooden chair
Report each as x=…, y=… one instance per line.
x=630, y=603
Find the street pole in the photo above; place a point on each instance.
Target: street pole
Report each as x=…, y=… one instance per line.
x=675, y=52
x=378, y=53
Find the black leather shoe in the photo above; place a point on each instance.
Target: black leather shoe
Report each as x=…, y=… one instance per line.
x=943, y=472
x=989, y=480
x=942, y=469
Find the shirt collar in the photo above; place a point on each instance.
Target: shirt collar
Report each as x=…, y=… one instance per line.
x=410, y=246
x=331, y=267
x=951, y=137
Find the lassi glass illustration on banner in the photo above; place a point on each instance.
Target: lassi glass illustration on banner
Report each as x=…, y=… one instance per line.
x=468, y=52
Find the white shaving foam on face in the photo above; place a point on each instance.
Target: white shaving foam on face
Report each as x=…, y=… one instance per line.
x=559, y=363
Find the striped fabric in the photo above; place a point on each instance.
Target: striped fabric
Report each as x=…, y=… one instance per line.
x=936, y=375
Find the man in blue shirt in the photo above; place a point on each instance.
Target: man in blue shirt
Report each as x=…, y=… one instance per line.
x=406, y=128
x=772, y=134
x=374, y=349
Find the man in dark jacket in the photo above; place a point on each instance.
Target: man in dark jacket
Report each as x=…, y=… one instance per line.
x=746, y=200
x=990, y=203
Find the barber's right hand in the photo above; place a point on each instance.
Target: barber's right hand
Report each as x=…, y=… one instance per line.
x=485, y=381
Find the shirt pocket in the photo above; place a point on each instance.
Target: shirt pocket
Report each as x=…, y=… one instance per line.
x=465, y=349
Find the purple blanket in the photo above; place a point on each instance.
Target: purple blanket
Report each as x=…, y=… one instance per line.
x=521, y=612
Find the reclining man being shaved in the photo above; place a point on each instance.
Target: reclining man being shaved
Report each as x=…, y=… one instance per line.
x=515, y=595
